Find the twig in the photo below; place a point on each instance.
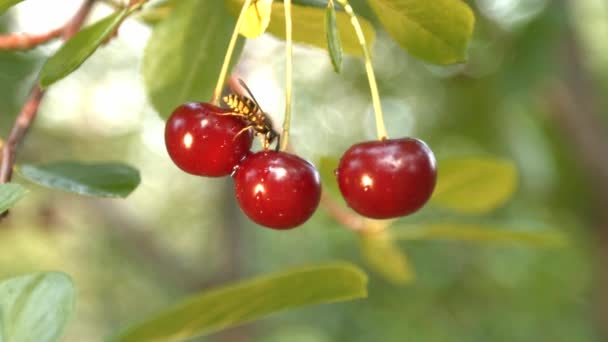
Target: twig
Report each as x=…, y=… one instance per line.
x=30, y=108
x=575, y=107
x=350, y=220
x=27, y=41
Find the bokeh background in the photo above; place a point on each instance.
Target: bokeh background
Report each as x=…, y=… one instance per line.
x=533, y=91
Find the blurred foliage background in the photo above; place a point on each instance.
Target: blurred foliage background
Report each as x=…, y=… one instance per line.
x=532, y=92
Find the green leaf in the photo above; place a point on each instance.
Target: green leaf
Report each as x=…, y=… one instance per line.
x=309, y=26
x=35, y=307
x=436, y=31
x=104, y=179
x=6, y=4
x=334, y=46
x=10, y=194
x=383, y=256
x=479, y=233
x=253, y=299
x=185, y=54
x=327, y=169
x=474, y=185
x=76, y=50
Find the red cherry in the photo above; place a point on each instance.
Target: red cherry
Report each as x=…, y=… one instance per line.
x=202, y=142
x=388, y=178
x=277, y=189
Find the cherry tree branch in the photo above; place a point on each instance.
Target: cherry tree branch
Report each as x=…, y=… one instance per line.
x=27, y=41
x=30, y=108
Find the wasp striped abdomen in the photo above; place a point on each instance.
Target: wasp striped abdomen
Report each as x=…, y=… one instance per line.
x=249, y=110
x=241, y=104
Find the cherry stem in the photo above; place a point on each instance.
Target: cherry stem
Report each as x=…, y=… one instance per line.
x=373, y=86
x=288, y=75
x=351, y=220
x=224, y=71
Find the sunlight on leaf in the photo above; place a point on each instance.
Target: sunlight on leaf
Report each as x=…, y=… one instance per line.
x=10, y=193
x=309, y=26
x=252, y=299
x=76, y=50
x=256, y=19
x=35, y=307
x=104, y=179
x=384, y=257
x=436, y=31
x=479, y=233
x=474, y=185
x=6, y=4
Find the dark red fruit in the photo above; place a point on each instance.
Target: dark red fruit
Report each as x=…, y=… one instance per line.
x=277, y=189
x=202, y=142
x=388, y=178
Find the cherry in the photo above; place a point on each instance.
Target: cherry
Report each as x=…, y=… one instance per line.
x=388, y=178
x=202, y=142
x=277, y=189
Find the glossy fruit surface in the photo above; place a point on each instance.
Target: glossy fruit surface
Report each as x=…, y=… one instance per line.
x=277, y=189
x=388, y=178
x=202, y=142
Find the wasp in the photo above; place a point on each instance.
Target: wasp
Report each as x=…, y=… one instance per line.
x=248, y=109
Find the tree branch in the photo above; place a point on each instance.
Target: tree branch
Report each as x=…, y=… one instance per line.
x=574, y=104
x=30, y=108
x=27, y=41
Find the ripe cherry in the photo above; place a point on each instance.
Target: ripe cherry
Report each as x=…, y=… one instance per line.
x=277, y=189
x=202, y=142
x=388, y=178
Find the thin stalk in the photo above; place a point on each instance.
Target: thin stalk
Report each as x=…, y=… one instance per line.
x=288, y=75
x=235, y=34
x=373, y=86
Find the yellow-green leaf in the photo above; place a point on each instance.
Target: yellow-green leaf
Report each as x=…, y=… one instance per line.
x=437, y=31
x=479, y=233
x=309, y=26
x=233, y=305
x=10, y=193
x=76, y=50
x=257, y=18
x=327, y=169
x=334, y=46
x=6, y=4
x=474, y=185
x=384, y=257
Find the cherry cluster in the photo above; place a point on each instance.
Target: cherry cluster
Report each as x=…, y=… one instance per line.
x=378, y=179
x=275, y=189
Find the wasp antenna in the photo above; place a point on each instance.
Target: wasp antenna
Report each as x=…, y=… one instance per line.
x=242, y=83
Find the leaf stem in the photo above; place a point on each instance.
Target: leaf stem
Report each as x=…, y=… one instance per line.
x=288, y=75
x=224, y=71
x=373, y=86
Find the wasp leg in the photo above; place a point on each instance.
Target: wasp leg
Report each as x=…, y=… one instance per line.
x=278, y=145
x=242, y=131
x=266, y=141
x=238, y=115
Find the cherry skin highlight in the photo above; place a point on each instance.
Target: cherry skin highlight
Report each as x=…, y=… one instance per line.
x=277, y=190
x=387, y=179
x=202, y=142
